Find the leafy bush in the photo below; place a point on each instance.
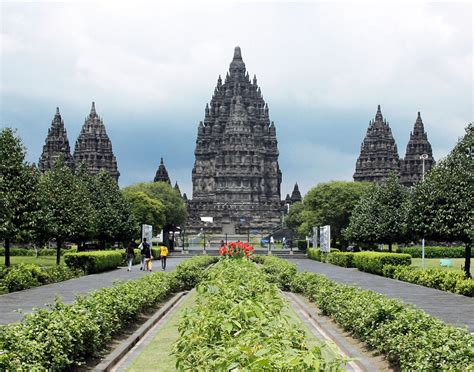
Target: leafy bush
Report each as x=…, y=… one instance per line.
x=65, y=336
x=434, y=252
x=25, y=276
x=450, y=281
x=317, y=255
x=191, y=272
x=238, y=325
x=344, y=259
x=95, y=261
x=373, y=262
x=30, y=252
x=409, y=337
x=303, y=245
x=279, y=271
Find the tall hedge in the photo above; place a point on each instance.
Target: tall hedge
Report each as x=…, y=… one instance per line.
x=95, y=261
x=373, y=262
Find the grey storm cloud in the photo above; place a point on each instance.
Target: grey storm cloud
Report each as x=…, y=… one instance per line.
x=322, y=67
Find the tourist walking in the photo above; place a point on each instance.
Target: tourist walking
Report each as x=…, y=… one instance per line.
x=130, y=253
x=283, y=243
x=272, y=243
x=163, y=256
x=144, y=246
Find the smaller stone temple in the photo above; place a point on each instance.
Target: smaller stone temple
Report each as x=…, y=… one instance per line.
x=93, y=146
x=56, y=144
x=296, y=195
x=162, y=174
x=378, y=153
x=411, y=170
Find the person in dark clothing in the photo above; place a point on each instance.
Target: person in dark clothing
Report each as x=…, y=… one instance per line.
x=130, y=252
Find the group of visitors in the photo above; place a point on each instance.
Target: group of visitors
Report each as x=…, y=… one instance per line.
x=146, y=262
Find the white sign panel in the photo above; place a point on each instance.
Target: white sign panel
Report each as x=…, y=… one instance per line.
x=147, y=232
x=325, y=238
x=315, y=237
x=207, y=219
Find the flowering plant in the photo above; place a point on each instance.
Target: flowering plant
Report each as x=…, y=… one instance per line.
x=236, y=250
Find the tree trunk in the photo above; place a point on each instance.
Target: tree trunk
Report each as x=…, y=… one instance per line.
x=7, y=252
x=390, y=247
x=58, y=251
x=467, y=260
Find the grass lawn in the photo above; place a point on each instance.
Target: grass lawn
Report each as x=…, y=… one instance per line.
x=157, y=352
x=434, y=262
x=41, y=260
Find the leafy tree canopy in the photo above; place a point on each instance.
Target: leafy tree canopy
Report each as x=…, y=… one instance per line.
x=145, y=209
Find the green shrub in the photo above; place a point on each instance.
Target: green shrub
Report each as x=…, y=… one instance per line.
x=30, y=252
x=279, y=271
x=344, y=259
x=317, y=255
x=239, y=324
x=409, y=338
x=434, y=252
x=191, y=272
x=303, y=245
x=67, y=335
x=450, y=281
x=24, y=276
x=95, y=261
x=373, y=262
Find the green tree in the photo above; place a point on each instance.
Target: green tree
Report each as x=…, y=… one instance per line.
x=145, y=210
x=331, y=203
x=19, y=207
x=175, y=209
x=441, y=206
x=380, y=216
x=66, y=206
x=114, y=218
x=294, y=218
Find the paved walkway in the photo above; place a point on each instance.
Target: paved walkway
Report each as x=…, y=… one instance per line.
x=68, y=290
x=449, y=307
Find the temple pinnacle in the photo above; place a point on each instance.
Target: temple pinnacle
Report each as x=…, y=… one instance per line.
x=237, y=53
x=93, y=112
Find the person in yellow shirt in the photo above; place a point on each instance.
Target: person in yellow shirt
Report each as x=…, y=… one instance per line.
x=163, y=256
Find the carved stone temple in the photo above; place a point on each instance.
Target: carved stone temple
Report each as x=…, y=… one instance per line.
x=236, y=177
x=56, y=144
x=93, y=146
x=162, y=174
x=379, y=155
x=411, y=170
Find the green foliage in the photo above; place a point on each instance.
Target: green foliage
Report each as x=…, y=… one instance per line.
x=28, y=252
x=293, y=219
x=408, y=337
x=279, y=271
x=25, y=276
x=175, y=210
x=381, y=215
x=191, y=272
x=434, y=252
x=145, y=209
x=332, y=204
x=114, y=219
x=317, y=255
x=303, y=245
x=238, y=325
x=450, y=281
x=373, y=262
x=67, y=335
x=19, y=207
x=95, y=261
x=344, y=259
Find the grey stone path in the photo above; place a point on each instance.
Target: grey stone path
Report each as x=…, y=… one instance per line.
x=42, y=296
x=449, y=307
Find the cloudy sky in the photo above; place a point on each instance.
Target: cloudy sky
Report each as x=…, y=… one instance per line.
x=323, y=68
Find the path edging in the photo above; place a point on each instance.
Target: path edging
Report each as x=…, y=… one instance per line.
x=118, y=353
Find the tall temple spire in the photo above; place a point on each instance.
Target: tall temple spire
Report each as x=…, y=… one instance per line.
x=236, y=173
x=56, y=145
x=176, y=187
x=412, y=165
x=379, y=154
x=296, y=195
x=162, y=174
x=94, y=148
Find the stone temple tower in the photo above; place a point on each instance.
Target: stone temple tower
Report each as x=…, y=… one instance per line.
x=93, y=146
x=56, y=144
x=378, y=153
x=162, y=174
x=236, y=177
x=412, y=166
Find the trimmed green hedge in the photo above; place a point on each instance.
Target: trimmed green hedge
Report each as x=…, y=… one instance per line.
x=32, y=252
x=344, y=259
x=279, y=271
x=408, y=337
x=317, y=255
x=67, y=335
x=23, y=276
x=450, y=281
x=95, y=261
x=434, y=252
x=373, y=262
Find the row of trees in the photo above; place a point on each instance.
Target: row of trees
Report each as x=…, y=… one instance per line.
x=439, y=208
x=64, y=205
